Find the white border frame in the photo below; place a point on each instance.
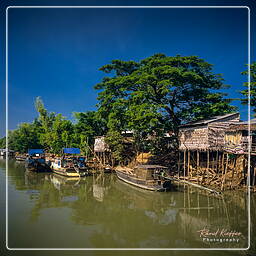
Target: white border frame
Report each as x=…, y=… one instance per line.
x=132, y=249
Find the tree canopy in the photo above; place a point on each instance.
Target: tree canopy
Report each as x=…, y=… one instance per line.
x=157, y=94
x=252, y=88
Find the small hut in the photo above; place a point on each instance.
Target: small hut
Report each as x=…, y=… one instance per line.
x=237, y=138
x=206, y=134
x=100, y=144
x=202, y=143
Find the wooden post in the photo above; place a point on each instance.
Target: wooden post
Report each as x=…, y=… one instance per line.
x=179, y=164
x=233, y=169
x=222, y=163
x=213, y=162
x=184, y=162
x=104, y=158
x=217, y=161
x=224, y=175
x=188, y=163
x=244, y=170
x=208, y=163
x=197, y=165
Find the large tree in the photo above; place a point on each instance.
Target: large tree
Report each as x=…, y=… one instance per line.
x=252, y=69
x=157, y=94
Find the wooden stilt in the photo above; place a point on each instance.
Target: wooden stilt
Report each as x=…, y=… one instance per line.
x=224, y=175
x=184, y=164
x=217, y=161
x=244, y=169
x=233, y=170
x=197, y=166
x=188, y=163
x=222, y=163
x=179, y=164
x=208, y=163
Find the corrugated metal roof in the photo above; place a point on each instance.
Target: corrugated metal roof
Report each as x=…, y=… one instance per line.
x=210, y=120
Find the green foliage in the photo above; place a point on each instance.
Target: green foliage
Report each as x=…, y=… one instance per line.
x=3, y=142
x=53, y=132
x=25, y=137
x=158, y=94
x=252, y=88
x=115, y=140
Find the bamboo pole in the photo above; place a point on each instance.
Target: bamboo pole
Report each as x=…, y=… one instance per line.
x=188, y=163
x=179, y=164
x=217, y=161
x=197, y=165
x=233, y=170
x=184, y=167
x=224, y=176
x=222, y=163
x=208, y=162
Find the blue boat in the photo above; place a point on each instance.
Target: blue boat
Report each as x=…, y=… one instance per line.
x=36, y=161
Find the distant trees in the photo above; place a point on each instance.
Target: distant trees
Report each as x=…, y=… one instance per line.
x=53, y=132
x=24, y=137
x=252, y=88
x=156, y=95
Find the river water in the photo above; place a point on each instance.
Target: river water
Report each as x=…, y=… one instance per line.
x=100, y=211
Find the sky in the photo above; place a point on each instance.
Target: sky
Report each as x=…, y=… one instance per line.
x=56, y=53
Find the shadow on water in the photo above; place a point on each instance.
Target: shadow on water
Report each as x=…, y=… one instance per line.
x=101, y=211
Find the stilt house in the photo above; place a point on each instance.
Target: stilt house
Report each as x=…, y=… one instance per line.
x=237, y=138
x=206, y=134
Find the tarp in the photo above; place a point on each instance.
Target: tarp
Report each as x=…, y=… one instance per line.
x=35, y=151
x=71, y=150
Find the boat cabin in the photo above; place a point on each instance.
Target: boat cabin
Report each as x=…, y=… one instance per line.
x=4, y=152
x=149, y=172
x=36, y=154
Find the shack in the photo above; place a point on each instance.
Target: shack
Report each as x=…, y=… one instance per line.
x=206, y=134
x=202, y=156
x=237, y=138
x=100, y=144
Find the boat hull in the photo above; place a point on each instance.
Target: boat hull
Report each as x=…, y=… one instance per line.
x=143, y=183
x=70, y=172
x=37, y=167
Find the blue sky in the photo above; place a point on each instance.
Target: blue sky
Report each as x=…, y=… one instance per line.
x=56, y=53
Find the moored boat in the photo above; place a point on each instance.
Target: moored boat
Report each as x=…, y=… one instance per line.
x=70, y=165
x=36, y=161
x=150, y=177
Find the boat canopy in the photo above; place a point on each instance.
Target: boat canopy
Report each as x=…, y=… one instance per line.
x=35, y=151
x=71, y=150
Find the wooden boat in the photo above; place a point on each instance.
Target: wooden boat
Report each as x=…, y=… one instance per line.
x=70, y=166
x=107, y=169
x=20, y=158
x=150, y=177
x=36, y=161
x=4, y=152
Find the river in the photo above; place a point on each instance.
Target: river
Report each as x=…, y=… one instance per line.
x=46, y=210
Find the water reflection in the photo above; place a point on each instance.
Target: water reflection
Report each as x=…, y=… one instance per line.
x=110, y=213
